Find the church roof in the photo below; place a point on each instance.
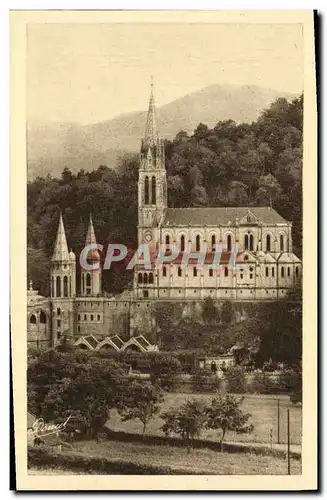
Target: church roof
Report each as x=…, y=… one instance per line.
x=217, y=216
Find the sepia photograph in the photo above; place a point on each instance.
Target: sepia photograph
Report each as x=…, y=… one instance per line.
x=163, y=217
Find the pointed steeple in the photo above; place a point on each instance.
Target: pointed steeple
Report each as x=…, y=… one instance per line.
x=150, y=136
x=90, y=237
x=60, y=252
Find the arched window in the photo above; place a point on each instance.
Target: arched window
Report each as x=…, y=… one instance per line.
x=33, y=319
x=282, y=272
x=146, y=191
x=267, y=271
x=179, y=271
x=151, y=279
x=52, y=287
x=140, y=278
x=288, y=271
x=213, y=242
x=251, y=242
x=153, y=191
x=43, y=317
x=268, y=243
x=145, y=278
x=229, y=243
x=197, y=243
x=273, y=272
x=246, y=242
x=164, y=271
x=91, y=317
x=65, y=286
x=83, y=284
x=167, y=239
x=296, y=271
x=98, y=317
x=195, y=271
x=211, y=273
x=251, y=273
x=85, y=317
x=226, y=272
x=58, y=311
x=88, y=279
x=281, y=243
x=182, y=243
x=58, y=286
x=79, y=317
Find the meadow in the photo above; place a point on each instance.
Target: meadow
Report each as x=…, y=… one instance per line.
x=264, y=418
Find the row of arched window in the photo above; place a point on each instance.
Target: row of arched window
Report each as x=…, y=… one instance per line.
x=248, y=242
x=43, y=318
x=61, y=287
x=147, y=191
x=145, y=278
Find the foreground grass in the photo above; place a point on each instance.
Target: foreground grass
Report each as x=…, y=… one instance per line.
x=197, y=461
x=264, y=417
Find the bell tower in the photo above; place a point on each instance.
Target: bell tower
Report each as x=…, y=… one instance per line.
x=152, y=183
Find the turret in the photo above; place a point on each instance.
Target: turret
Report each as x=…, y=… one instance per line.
x=91, y=279
x=63, y=266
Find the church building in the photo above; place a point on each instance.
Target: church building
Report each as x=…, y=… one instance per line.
x=265, y=265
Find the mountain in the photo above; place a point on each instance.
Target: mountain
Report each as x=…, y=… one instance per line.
x=54, y=146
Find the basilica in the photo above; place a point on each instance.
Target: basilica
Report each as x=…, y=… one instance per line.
x=265, y=265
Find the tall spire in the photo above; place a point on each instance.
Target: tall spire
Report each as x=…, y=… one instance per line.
x=90, y=237
x=60, y=252
x=151, y=128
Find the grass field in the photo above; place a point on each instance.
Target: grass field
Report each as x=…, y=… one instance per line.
x=264, y=417
x=197, y=461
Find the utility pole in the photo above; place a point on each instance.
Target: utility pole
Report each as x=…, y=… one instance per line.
x=288, y=443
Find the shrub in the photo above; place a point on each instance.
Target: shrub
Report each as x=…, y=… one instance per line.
x=164, y=371
x=236, y=382
x=205, y=383
x=263, y=383
x=290, y=382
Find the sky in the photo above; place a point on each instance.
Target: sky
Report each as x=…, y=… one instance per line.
x=87, y=73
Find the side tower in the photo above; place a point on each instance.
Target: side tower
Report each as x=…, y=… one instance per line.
x=91, y=282
x=63, y=286
x=152, y=184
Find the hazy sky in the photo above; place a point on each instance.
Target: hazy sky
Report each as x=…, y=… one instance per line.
x=92, y=72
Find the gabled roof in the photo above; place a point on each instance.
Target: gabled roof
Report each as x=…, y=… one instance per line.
x=288, y=258
x=91, y=340
x=117, y=340
x=143, y=341
x=245, y=256
x=217, y=216
x=266, y=257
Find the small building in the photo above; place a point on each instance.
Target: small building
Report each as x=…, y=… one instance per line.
x=216, y=362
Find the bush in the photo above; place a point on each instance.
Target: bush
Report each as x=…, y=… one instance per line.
x=290, y=382
x=263, y=383
x=205, y=383
x=236, y=382
x=164, y=371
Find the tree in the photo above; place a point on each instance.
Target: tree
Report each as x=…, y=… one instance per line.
x=188, y=421
x=209, y=311
x=164, y=370
x=140, y=400
x=73, y=383
x=224, y=413
x=235, y=377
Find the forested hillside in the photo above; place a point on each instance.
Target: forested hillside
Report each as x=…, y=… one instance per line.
x=227, y=165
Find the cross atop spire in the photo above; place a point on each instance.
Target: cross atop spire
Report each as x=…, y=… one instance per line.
x=151, y=128
x=90, y=237
x=60, y=252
